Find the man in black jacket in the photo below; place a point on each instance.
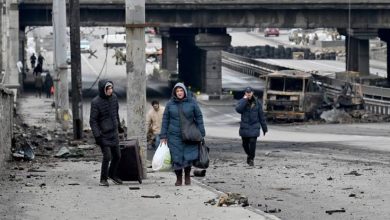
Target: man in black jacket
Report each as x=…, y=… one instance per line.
x=252, y=118
x=105, y=125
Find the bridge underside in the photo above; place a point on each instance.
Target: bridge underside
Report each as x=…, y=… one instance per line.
x=195, y=32
x=218, y=16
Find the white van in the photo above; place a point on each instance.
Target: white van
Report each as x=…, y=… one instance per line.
x=114, y=40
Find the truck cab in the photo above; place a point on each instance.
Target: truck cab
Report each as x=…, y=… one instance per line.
x=291, y=95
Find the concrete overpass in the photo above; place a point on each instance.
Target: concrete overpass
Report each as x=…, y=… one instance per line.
x=365, y=14
x=195, y=30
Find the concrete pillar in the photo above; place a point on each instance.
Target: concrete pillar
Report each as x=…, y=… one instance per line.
x=169, y=56
x=211, y=45
x=189, y=60
x=211, y=71
x=384, y=34
x=364, y=57
x=358, y=51
x=351, y=50
x=1, y=37
x=22, y=55
x=13, y=46
x=358, y=55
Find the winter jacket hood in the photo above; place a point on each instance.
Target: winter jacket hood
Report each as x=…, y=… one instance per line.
x=102, y=86
x=181, y=85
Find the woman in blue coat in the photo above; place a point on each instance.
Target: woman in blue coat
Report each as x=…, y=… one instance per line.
x=183, y=154
x=252, y=118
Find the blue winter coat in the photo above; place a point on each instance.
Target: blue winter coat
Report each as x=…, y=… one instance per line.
x=252, y=118
x=182, y=153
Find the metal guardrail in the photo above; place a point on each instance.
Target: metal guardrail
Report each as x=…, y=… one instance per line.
x=377, y=99
x=248, y=66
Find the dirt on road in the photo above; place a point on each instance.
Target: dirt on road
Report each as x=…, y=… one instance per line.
x=304, y=180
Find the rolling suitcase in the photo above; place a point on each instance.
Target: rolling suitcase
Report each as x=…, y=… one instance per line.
x=130, y=165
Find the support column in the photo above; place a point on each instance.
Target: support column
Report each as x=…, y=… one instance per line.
x=211, y=45
x=61, y=67
x=136, y=78
x=22, y=56
x=364, y=57
x=384, y=34
x=1, y=37
x=13, y=46
x=169, y=55
x=358, y=51
x=351, y=45
x=189, y=64
x=211, y=71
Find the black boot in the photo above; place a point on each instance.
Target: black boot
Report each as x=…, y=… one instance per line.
x=179, y=177
x=187, y=177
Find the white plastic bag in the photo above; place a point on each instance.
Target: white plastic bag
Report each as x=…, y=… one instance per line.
x=162, y=158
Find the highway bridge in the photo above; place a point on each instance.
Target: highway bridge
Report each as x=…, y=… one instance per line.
x=195, y=31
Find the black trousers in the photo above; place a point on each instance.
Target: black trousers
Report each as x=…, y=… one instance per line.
x=111, y=158
x=249, y=145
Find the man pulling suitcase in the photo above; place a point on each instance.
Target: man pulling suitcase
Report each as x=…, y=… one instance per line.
x=105, y=125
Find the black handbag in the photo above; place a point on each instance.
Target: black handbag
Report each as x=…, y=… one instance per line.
x=189, y=130
x=203, y=159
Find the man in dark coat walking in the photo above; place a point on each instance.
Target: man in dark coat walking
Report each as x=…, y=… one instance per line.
x=33, y=59
x=105, y=125
x=40, y=59
x=252, y=118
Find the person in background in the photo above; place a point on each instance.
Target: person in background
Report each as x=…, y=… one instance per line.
x=48, y=84
x=153, y=123
x=252, y=119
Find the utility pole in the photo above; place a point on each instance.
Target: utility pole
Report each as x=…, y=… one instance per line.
x=60, y=65
x=136, y=78
x=77, y=105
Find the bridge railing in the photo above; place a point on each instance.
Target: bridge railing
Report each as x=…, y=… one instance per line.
x=248, y=66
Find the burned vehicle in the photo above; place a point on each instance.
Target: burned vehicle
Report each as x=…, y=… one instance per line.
x=291, y=95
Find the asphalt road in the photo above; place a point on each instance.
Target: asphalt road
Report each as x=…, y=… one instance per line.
x=303, y=170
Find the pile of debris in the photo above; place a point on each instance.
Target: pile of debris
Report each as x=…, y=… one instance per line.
x=33, y=142
x=229, y=199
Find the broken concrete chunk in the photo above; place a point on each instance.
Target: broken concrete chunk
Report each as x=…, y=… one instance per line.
x=334, y=211
x=63, y=152
x=86, y=146
x=151, y=197
x=354, y=173
x=66, y=152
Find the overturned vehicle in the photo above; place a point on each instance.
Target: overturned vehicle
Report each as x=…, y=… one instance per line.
x=291, y=95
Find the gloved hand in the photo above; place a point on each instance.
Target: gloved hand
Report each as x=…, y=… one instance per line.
x=120, y=130
x=98, y=141
x=202, y=141
x=264, y=132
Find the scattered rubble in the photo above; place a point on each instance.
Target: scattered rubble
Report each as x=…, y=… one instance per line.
x=151, y=197
x=353, y=173
x=134, y=188
x=334, y=211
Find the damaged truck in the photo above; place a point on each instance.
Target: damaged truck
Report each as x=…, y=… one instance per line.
x=291, y=95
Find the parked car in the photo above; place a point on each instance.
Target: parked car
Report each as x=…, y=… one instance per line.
x=84, y=46
x=293, y=33
x=271, y=31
